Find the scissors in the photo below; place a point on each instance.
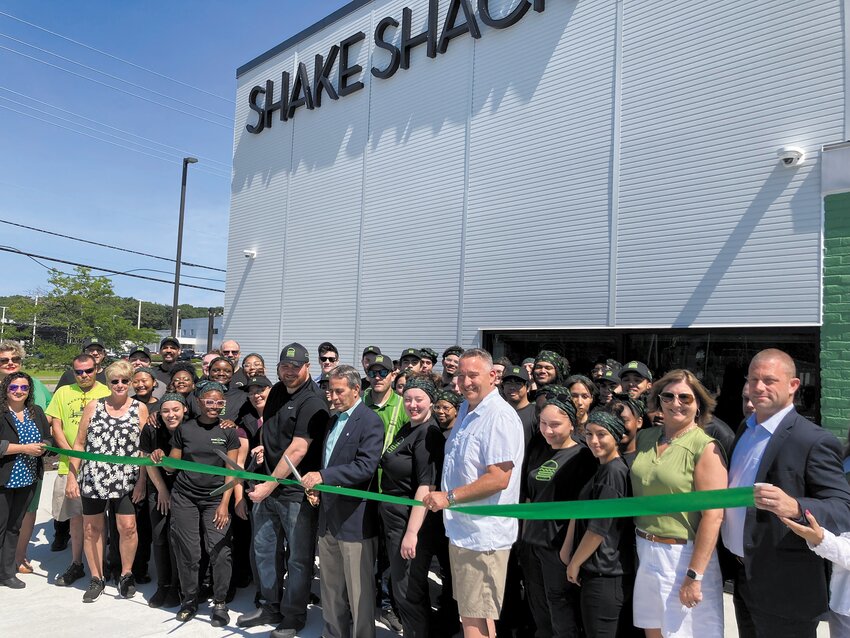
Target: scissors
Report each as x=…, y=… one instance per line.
x=232, y=465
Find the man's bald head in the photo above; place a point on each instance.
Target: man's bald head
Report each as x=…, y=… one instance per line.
x=780, y=357
x=771, y=382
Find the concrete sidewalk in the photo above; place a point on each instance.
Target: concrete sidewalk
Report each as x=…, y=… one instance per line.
x=42, y=609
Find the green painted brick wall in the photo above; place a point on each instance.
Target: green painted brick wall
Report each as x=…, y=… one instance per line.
x=835, y=333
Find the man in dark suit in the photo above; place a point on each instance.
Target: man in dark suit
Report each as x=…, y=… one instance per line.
x=348, y=526
x=780, y=586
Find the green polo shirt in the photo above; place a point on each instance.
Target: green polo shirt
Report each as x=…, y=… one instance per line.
x=391, y=412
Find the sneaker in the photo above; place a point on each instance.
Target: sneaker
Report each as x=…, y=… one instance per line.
x=261, y=616
x=283, y=633
x=390, y=620
x=220, y=617
x=59, y=543
x=13, y=583
x=94, y=591
x=73, y=573
x=187, y=611
x=127, y=586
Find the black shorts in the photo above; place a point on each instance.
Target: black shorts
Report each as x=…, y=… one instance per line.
x=121, y=505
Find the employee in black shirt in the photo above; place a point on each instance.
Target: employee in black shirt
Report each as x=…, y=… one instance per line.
x=445, y=410
x=221, y=371
x=557, y=475
x=169, y=350
x=192, y=507
x=515, y=391
x=409, y=468
x=603, y=561
x=281, y=512
x=172, y=409
x=633, y=414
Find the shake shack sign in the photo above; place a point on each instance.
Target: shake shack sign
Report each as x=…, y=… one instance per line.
x=295, y=90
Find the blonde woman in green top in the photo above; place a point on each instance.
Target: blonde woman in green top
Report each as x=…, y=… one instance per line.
x=678, y=587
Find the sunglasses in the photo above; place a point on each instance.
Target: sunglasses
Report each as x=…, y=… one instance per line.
x=327, y=359
x=80, y=373
x=121, y=381
x=684, y=399
x=6, y=360
x=14, y=387
x=212, y=403
x=374, y=374
x=229, y=352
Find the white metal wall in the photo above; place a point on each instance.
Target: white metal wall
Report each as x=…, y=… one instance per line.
x=479, y=189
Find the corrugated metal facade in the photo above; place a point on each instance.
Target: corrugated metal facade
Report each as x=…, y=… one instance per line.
x=484, y=188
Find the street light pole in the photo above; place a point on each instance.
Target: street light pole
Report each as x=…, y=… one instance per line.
x=174, y=305
x=3, y=322
x=139, y=317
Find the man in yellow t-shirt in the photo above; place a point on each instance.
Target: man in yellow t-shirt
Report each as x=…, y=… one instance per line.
x=65, y=411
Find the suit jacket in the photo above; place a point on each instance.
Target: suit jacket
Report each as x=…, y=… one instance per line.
x=9, y=434
x=785, y=577
x=353, y=463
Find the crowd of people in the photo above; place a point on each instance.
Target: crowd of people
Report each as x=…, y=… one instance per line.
x=476, y=432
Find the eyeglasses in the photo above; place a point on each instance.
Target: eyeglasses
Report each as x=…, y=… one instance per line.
x=327, y=359
x=121, y=381
x=14, y=387
x=229, y=352
x=6, y=360
x=684, y=399
x=212, y=403
x=81, y=373
x=374, y=374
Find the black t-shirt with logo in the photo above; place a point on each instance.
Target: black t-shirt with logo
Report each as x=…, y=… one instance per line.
x=198, y=442
x=412, y=459
x=558, y=476
x=615, y=556
x=301, y=414
x=157, y=438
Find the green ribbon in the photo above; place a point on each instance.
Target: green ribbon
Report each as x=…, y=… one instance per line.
x=602, y=508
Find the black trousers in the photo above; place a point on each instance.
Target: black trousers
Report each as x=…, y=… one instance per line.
x=163, y=552
x=755, y=624
x=606, y=605
x=191, y=524
x=409, y=578
x=554, y=601
x=13, y=505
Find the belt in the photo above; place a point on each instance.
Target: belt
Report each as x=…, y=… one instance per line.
x=660, y=539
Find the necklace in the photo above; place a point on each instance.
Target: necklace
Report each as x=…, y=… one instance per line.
x=664, y=440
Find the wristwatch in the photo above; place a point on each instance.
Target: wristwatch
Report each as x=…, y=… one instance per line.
x=450, y=496
x=693, y=575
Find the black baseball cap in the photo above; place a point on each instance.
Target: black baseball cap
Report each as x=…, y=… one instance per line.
x=93, y=341
x=517, y=372
x=609, y=376
x=140, y=350
x=294, y=353
x=327, y=346
x=638, y=368
x=384, y=362
x=260, y=380
x=410, y=352
x=171, y=340
x=371, y=350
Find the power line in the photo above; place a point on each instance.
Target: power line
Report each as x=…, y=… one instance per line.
x=10, y=249
x=114, y=128
x=91, y=128
x=100, y=139
x=115, y=77
x=115, y=57
x=115, y=88
x=126, y=250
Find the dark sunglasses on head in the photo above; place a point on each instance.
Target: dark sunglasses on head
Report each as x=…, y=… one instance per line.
x=327, y=359
x=684, y=399
x=5, y=360
x=374, y=374
x=14, y=387
x=121, y=381
x=80, y=373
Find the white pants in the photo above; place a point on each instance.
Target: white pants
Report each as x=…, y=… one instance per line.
x=660, y=575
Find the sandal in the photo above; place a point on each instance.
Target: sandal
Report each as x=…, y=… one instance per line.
x=25, y=567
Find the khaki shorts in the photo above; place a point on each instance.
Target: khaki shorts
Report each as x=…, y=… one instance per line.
x=478, y=580
x=64, y=508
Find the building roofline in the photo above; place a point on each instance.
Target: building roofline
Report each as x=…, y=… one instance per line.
x=303, y=35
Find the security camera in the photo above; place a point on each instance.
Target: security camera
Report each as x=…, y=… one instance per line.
x=250, y=254
x=791, y=156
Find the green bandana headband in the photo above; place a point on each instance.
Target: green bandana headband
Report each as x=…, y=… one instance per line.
x=173, y=396
x=562, y=369
x=610, y=422
x=422, y=383
x=449, y=397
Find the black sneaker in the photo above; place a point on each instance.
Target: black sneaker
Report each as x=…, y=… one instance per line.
x=391, y=621
x=60, y=543
x=73, y=573
x=187, y=611
x=94, y=591
x=261, y=616
x=220, y=617
x=127, y=586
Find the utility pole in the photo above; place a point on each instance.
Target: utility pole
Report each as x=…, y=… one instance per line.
x=139, y=317
x=3, y=322
x=34, y=317
x=174, y=305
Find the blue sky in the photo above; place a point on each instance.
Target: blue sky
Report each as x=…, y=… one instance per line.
x=107, y=193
